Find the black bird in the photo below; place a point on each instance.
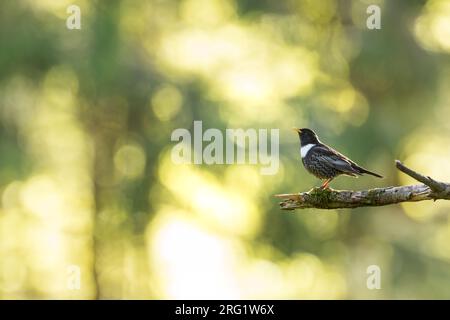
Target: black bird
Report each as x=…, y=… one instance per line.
x=323, y=161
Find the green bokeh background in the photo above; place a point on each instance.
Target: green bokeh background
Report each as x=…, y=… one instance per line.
x=88, y=189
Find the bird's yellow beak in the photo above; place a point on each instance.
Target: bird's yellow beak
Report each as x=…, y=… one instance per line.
x=297, y=130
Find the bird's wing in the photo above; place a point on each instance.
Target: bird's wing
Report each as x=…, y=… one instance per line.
x=336, y=160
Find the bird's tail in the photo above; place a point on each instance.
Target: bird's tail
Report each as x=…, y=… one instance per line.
x=362, y=170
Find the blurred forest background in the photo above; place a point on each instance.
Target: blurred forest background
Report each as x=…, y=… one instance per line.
x=86, y=177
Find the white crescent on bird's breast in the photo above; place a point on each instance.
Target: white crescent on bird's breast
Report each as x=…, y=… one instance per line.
x=305, y=149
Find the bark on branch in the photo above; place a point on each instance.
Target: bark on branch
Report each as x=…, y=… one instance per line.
x=335, y=199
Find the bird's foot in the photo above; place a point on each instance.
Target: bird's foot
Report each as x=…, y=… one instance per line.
x=320, y=189
x=325, y=184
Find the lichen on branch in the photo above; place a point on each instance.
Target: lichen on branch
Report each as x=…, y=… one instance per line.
x=336, y=199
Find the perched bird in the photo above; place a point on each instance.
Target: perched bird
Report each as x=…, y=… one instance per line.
x=323, y=161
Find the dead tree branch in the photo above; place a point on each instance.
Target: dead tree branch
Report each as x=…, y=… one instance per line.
x=336, y=199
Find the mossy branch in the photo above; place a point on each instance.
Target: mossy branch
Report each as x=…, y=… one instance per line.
x=336, y=199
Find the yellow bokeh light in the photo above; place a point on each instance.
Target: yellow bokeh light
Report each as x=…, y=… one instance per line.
x=223, y=206
x=430, y=159
x=350, y=104
x=207, y=12
x=190, y=262
x=166, y=102
x=53, y=205
x=432, y=28
x=130, y=161
x=41, y=196
x=243, y=67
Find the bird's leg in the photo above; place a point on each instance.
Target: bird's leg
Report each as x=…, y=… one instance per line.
x=325, y=184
